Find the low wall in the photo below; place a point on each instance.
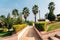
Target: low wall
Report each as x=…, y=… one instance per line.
x=22, y=32
x=47, y=34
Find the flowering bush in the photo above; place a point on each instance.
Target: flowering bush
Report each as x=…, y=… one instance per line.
x=19, y=27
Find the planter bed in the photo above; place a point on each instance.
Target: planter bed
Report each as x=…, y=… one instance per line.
x=45, y=35
x=53, y=27
x=8, y=33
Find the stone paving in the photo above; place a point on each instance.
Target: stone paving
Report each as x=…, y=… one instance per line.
x=31, y=35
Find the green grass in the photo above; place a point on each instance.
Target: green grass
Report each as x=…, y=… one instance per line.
x=53, y=27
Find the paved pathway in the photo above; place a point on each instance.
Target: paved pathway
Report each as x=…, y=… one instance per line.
x=30, y=35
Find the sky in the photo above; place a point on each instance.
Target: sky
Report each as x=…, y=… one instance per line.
x=6, y=6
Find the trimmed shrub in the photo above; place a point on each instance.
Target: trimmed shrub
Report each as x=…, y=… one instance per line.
x=5, y=29
x=19, y=27
x=41, y=26
x=29, y=23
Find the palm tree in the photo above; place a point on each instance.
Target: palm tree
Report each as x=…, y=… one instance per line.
x=35, y=10
x=51, y=8
x=25, y=13
x=15, y=12
x=2, y=17
x=8, y=22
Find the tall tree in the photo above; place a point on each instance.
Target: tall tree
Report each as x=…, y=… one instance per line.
x=58, y=17
x=19, y=19
x=15, y=13
x=51, y=8
x=8, y=22
x=25, y=13
x=35, y=10
x=2, y=17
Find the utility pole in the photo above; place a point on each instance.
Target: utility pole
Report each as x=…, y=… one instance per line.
x=39, y=14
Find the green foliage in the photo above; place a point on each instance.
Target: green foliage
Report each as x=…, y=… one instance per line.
x=51, y=8
x=8, y=22
x=53, y=27
x=40, y=26
x=19, y=19
x=58, y=17
x=35, y=10
x=8, y=33
x=15, y=12
x=19, y=27
x=29, y=23
x=4, y=32
x=46, y=15
x=2, y=16
x=1, y=30
x=51, y=17
x=2, y=19
x=25, y=13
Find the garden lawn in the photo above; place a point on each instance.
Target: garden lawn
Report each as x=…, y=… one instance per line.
x=53, y=27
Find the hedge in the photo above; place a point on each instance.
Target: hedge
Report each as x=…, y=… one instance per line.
x=19, y=27
x=29, y=23
x=41, y=26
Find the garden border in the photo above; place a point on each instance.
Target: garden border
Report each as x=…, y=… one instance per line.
x=48, y=34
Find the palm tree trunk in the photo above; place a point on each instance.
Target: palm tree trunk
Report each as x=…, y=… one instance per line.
x=25, y=19
x=35, y=19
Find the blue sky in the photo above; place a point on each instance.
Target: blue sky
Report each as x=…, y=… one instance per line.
x=6, y=6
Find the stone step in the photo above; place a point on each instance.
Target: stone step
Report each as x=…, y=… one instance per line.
x=57, y=36
x=49, y=38
x=54, y=38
